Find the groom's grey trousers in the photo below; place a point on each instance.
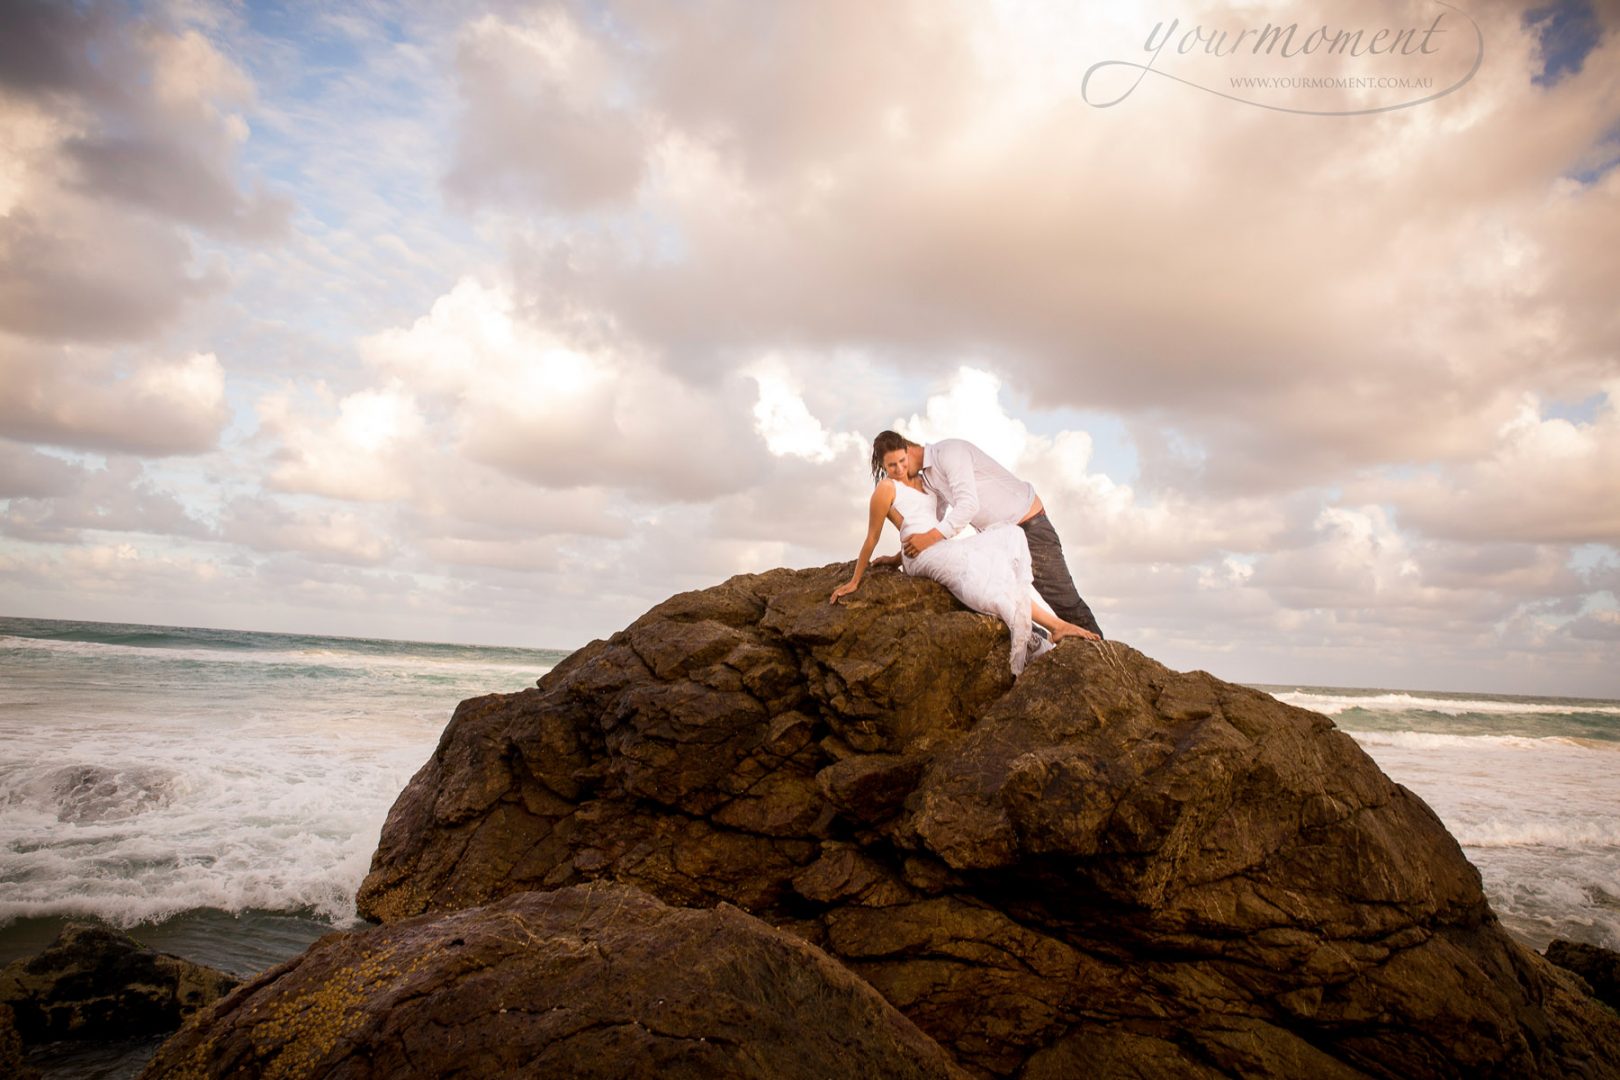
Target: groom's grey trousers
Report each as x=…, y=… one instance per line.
x=1051, y=573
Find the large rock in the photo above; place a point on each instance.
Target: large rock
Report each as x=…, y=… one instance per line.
x=593, y=981
x=1108, y=867
x=94, y=982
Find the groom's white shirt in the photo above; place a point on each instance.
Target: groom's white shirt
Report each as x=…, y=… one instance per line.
x=977, y=489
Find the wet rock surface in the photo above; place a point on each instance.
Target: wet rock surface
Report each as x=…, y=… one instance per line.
x=1597, y=966
x=1109, y=867
x=94, y=982
x=12, y=1062
x=591, y=981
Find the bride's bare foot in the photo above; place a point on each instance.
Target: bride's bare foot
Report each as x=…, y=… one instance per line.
x=1069, y=630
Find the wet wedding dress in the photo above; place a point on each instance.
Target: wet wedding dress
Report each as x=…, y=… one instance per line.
x=988, y=571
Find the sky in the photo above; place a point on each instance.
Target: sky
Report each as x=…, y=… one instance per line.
x=499, y=323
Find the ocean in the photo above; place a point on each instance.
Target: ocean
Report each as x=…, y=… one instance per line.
x=218, y=793
x=219, y=790
x=1529, y=786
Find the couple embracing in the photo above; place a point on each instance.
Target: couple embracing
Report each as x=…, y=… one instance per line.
x=1014, y=555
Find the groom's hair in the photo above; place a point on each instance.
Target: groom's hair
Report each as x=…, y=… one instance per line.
x=886, y=443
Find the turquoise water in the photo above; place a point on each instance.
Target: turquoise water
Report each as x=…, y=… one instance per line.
x=219, y=793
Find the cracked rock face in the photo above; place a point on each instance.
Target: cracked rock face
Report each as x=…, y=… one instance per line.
x=591, y=981
x=1107, y=868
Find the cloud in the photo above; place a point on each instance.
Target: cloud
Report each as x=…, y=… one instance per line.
x=119, y=497
x=460, y=500
x=27, y=473
x=1548, y=479
x=529, y=556
x=503, y=444
x=1209, y=281
x=970, y=408
x=84, y=272
x=809, y=510
x=1358, y=560
x=86, y=398
x=43, y=50
x=111, y=569
x=566, y=109
x=542, y=127
x=143, y=173
x=586, y=303
x=121, y=132
x=1603, y=625
x=365, y=452
x=784, y=421
x=1103, y=516
x=323, y=533
x=559, y=412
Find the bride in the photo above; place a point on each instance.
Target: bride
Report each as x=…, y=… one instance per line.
x=988, y=571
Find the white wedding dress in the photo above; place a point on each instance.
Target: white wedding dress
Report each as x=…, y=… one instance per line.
x=988, y=571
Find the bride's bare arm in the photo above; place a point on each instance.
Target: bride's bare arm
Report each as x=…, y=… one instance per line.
x=877, y=511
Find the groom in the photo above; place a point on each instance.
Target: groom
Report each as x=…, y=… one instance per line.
x=981, y=493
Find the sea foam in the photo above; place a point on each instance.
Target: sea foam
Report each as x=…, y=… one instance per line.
x=1331, y=704
x=1539, y=817
x=165, y=772
x=1434, y=740
x=173, y=820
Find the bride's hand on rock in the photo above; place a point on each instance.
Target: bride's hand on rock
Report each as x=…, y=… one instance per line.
x=843, y=590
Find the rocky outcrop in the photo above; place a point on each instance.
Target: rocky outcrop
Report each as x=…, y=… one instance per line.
x=12, y=1062
x=94, y=982
x=591, y=981
x=1597, y=966
x=1108, y=867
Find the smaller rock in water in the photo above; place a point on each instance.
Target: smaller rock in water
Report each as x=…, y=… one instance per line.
x=94, y=982
x=89, y=793
x=1600, y=967
x=11, y=1048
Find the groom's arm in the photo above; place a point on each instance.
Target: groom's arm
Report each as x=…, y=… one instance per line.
x=953, y=463
x=954, y=460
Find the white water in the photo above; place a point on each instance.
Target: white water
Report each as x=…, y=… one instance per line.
x=1530, y=789
x=1331, y=704
x=137, y=825
x=138, y=783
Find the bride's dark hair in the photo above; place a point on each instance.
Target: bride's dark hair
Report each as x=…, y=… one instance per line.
x=886, y=443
